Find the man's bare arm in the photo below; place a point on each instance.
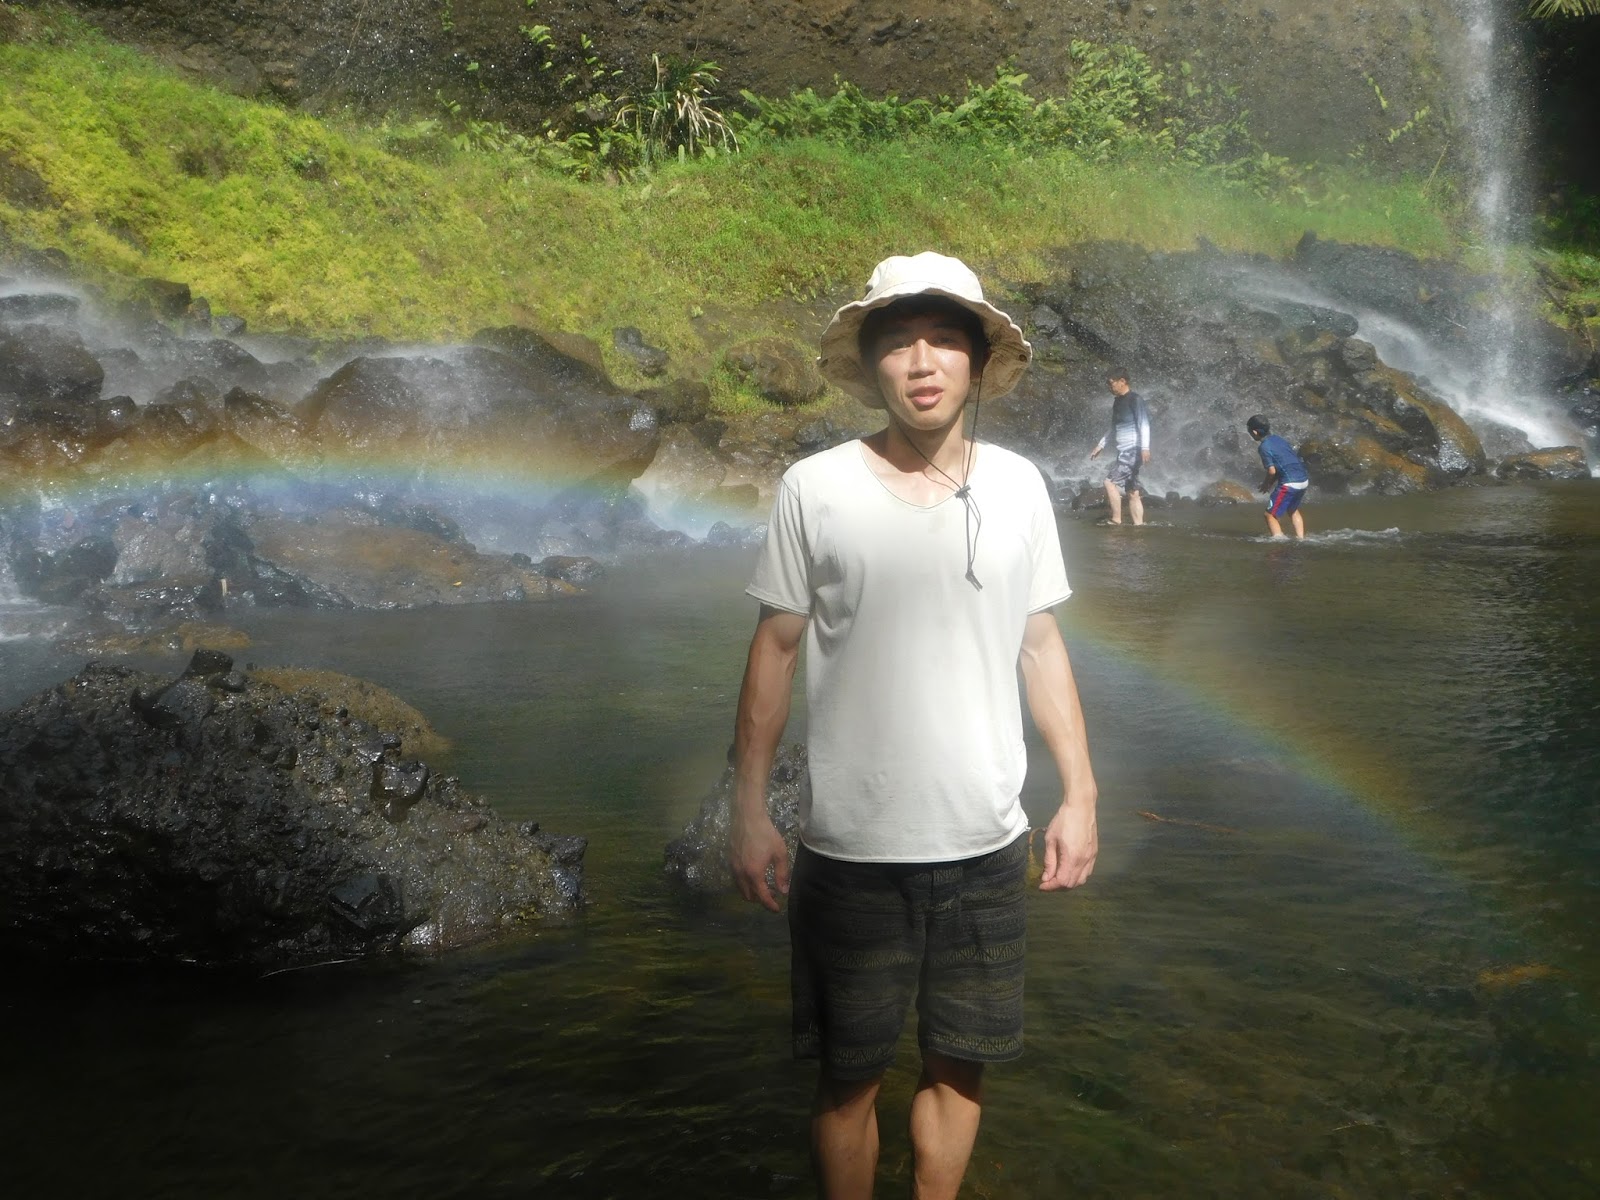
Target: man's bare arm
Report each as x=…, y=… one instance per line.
x=754, y=843
x=1071, y=840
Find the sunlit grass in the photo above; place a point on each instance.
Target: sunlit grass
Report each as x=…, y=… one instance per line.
x=311, y=224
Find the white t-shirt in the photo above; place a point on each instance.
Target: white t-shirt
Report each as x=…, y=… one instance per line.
x=915, y=739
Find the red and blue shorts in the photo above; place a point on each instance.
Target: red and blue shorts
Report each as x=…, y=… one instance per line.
x=1283, y=499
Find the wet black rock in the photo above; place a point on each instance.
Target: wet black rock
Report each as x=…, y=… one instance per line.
x=369, y=401
x=63, y=576
x=1586, y=413
x=35, y=306
x=150, y=603
x=93, y=421
x=43, y=362
x=259, y=422
x=223, y=362
x=217, y=820
x=698, y=858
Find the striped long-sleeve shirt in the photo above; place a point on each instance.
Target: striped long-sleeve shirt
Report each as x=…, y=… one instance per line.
x=1130, y=425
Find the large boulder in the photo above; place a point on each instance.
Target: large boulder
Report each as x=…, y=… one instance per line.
x=218, y=820
x=263, y=424
x=46, y=363
x=347, y=559
x=1558, y=462
x=1357, y=463
x=38, y=306
x=1388, y=280
x=62, y=576
x=371, y=402
x=1225, y=491
x=697, y=859
x=518, y=401
x=1437, y=429
x=777, y=370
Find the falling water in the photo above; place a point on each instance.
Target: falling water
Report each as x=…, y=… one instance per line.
x=1494, y=119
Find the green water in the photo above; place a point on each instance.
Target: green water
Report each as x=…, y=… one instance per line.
x=1355, y=959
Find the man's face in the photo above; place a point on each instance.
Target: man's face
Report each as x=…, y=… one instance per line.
x=1119, y=387
x=924, y=369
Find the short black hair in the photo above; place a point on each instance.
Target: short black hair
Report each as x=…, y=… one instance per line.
x=1118, y=375
x=924, y=304
x=1257, y=426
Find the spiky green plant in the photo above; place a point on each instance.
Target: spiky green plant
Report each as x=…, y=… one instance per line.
x=676, y=115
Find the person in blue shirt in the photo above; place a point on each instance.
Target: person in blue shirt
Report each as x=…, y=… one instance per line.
x=1286, y=481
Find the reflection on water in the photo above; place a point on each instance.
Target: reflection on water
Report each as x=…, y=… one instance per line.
x=1339, y=942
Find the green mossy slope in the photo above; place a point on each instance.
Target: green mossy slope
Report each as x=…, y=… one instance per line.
x=312, y=224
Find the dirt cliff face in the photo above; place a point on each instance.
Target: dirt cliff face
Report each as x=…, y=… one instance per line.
x=1319, y=78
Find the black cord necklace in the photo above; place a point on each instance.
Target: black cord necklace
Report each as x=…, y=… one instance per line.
x=963, y=490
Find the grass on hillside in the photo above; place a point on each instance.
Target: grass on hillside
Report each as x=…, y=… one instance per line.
x=306, y=224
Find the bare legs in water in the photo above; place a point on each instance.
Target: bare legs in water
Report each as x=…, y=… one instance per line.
x=1295, y=519
x=944, y=1126
x=1135, y=504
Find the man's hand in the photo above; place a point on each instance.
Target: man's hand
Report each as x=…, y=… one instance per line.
x=752, y=851
x=1144, y=459
x=1095, y=453
x=1266, y=485
x=1071, y=843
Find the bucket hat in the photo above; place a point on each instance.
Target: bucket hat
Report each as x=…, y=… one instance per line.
x=926, y=273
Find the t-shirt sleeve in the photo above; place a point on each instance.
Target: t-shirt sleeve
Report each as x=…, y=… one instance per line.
x=783, y=571
x=1266, y=454
x=1049, y=585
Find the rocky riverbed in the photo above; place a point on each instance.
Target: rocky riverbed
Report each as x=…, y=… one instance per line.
x=160, y=463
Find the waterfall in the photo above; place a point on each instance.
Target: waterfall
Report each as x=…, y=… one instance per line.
x=1505, y=385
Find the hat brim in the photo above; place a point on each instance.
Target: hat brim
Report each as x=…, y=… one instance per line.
x=840, y=356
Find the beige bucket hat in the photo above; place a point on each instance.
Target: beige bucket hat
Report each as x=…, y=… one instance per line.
x=939, y=275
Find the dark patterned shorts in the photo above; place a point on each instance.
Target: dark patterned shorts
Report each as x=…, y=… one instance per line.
x=1125, y=472
x=867, y=937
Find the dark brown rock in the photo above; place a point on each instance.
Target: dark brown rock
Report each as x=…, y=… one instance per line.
x=778, y=370
x=1558, y=462
x=1225, y=491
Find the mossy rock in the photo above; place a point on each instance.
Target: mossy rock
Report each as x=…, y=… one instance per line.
x=777, y=370
x=365, y=701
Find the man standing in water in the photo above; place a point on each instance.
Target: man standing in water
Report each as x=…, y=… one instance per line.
x=910, y=876
x=1286, y=481
x=1130, y=430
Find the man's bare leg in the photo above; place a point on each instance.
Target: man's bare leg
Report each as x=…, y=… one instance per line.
x=1273, y=527
x=1136, y=505
x=944, y=1125
x=1114, y=502
x=844, y=1137
x=1298, y=522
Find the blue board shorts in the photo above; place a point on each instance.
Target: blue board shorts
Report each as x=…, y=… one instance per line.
x=867, y=937
x=1284, y=499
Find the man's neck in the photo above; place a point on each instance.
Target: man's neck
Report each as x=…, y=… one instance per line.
x=912, y=450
